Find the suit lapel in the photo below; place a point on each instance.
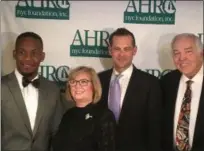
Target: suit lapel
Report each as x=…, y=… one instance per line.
x=17, y=94
x=171, y=95
x=41, y=104
x=133, y=85
x=200, y=121
x=106, y=83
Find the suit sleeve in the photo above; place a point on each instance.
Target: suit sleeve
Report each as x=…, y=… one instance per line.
x=58, y=140
x=154, y=116
x=57, y=116
x=106, y=139
x=59, y=111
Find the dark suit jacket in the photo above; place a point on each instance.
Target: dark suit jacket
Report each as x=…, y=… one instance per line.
x=170, y=84
x=16, y=133
x=138, y=128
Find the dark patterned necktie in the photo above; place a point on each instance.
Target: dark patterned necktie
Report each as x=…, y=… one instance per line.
x=182, y=131
x=35, y=82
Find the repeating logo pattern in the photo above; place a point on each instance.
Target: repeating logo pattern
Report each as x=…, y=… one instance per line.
x=43, y=9
x=150, y=12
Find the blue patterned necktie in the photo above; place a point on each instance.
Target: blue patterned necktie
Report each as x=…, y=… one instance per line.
x=114, y=97
x=182, y=131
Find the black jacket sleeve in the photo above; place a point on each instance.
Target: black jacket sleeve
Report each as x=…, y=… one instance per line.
x=106, y=132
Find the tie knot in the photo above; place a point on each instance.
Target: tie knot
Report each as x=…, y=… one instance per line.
x=189, y=82
x=115, y=79
x=35, y=82
x=118, y=76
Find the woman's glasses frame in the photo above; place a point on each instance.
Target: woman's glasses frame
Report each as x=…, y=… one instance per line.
x=82, y=82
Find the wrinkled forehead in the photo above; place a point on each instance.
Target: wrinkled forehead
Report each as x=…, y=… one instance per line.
x=183, y=43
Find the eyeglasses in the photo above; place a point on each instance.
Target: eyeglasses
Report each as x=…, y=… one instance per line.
x=82, y=82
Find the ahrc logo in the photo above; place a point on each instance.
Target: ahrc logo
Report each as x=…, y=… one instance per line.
x=43, y=9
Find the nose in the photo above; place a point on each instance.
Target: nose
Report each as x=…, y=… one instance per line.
x=182, y=56
x=121, y=53
x=27, y=56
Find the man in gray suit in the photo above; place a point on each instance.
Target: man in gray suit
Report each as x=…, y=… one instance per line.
x=31, y=105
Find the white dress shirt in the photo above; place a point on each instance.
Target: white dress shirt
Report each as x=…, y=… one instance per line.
x=30, y=96
x=196, y=88
x=124, y=81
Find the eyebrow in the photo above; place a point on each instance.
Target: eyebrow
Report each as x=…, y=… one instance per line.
x=80, y=79
x=128, y=47
x=188, y=48
x=36, y=49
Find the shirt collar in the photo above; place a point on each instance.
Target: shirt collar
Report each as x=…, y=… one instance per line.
x=126, y=73
x=197, y=78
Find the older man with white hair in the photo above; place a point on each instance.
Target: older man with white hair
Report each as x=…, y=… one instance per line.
x=183, y=96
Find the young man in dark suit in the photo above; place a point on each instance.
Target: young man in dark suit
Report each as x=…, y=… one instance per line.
x=133, y=95
x=183, y=96
x=30, y=104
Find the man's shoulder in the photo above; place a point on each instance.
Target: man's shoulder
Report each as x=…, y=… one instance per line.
x=171, y=75
x=6, y=78
x=105, y=73
x=49, y=84
x=144, y=75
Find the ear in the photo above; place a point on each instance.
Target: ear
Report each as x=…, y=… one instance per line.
x=135, y=50
x=202, y=52
x=109, y=50
x=42, y=56
x=14, y=54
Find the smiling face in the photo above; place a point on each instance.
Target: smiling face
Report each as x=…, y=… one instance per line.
x=81, y=88
x=186, y=56
x=28, y=55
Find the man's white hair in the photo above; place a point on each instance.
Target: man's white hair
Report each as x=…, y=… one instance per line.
x=198, y=42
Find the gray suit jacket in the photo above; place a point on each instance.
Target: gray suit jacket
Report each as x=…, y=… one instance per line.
x=16, y=133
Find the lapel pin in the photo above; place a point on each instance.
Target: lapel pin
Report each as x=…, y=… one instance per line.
x=88, y=116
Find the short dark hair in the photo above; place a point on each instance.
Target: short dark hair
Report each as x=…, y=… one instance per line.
x=28, y=34
x=122, y=32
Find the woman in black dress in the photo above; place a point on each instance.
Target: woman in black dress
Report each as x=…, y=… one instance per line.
x=88, y=126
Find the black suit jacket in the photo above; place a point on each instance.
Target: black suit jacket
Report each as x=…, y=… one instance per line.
x=170, y=84
x=139, y=126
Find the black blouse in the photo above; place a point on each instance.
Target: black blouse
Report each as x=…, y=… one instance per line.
x=91, y=128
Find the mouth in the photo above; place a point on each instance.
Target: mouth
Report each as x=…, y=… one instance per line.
x=183, y=65
x=79, y=92
x=121, y=60
x=27, y=65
